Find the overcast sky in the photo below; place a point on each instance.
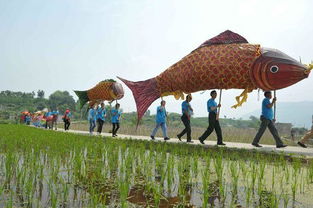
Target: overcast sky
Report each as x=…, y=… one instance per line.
x=74, y=44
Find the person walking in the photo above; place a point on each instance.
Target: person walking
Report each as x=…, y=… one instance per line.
x=306, y=137
x=67, y=119
x=101, y=114
x=214, y=124
x=160, y=121
x=55, y=115
x=46, y=116
x=268, y=121
x=187, y=111
x=28, y=119
x=92, y=114
x=116, y=114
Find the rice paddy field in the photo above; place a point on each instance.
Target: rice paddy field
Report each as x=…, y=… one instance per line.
x=42, y=168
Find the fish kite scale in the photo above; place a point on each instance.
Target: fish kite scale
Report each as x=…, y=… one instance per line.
x=226, y=61
x=207, y=70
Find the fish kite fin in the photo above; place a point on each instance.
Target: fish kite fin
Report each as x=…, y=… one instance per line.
x=226, y=37
x=83, y=97
x=144, y=92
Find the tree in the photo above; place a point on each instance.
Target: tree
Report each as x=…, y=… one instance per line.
x=61, y=100
x=40, y=94
x=255, y=122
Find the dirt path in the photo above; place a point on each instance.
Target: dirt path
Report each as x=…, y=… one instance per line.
x=290, y=150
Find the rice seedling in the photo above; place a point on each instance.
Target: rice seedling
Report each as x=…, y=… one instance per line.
x=45, y=168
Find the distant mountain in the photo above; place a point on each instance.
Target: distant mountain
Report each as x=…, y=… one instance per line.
x=298, y=113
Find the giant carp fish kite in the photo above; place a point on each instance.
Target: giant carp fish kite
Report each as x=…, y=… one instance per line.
x=107, y=90
x=226, y=61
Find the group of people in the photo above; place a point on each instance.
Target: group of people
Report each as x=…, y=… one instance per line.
x=267, y=121
x=187, y=112
x=97, y=115
x=46, y=118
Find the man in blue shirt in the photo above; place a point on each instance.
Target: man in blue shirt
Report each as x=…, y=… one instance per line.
x=187, y=111
x=100, y=117
x=268, y=121
x=160, y=121
x=92, y=118
x=115, y=119
x=213, y=120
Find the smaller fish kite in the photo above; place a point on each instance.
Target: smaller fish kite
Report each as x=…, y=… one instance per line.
x=107, y=90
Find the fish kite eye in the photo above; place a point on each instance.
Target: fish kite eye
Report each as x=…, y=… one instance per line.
x=274, y=69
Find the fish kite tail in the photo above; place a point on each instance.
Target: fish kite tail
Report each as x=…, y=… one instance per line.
x=83, y=97
x=144, y=92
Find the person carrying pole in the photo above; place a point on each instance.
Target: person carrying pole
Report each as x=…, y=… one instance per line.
x=92, y=113
x=67, y=119
x=187, y=112
x=214, y=124
x=116, y=114
x=267, y=120
x=101, y=114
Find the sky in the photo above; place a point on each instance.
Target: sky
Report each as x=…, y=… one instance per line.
x=74, y=44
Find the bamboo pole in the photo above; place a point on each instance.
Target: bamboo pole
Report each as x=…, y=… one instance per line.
x=275, y=106
x=219, y=108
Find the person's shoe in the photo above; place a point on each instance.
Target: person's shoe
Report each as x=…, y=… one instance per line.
x=179, y=138
x=166, y=138
x=281, y=146
x=302, y=145
x=221, y=143
x=189, y=141
x=201, y=141
x=152, y=137
x=256, y=145
x=115, y=135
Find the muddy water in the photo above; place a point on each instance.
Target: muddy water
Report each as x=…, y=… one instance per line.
x=83, y=180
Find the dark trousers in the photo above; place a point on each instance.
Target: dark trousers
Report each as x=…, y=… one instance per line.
x=116, y=126
x=67, y=124
x=267, y=123
x=187, y=129
x=214, y=124
x=100, y=125
x=54, y=124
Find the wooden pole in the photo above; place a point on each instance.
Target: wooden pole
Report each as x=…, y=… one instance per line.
x=219, y=108
x=275, y=106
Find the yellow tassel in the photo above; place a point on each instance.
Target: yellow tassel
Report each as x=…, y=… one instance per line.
x=244, y=96
x=309, y=68
x=177, y=94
